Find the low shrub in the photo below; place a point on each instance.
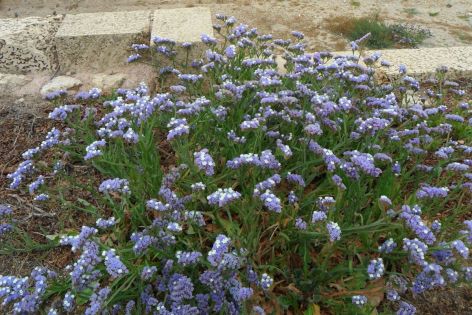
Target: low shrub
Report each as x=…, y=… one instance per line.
x=382, y=35
x=238, y=189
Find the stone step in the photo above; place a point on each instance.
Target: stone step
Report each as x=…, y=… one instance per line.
x=99, y=41
x=423, y=62
x=183, y=25
x=27, y=44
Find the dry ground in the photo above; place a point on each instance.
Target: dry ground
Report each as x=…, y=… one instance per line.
x=447, y=19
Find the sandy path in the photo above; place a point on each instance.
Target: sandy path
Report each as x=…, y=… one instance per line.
x=450, y=27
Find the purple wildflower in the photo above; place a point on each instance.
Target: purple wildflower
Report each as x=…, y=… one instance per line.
x=460, y=247
x=406, y=308
x=93, y=149
x=296, y=179
x=429, y=192
x=188, y=258
x=359, y=300
x=457, y=167
x=68, y=302
x=388, y=246
x=178, y=127
x=318, y=216
x=148, y=272
x=115, y=185
x=334, y=231
x=105, y=223
x=266, y=281
x=271, y=201
x=300, y=224
x=220, y=247
x=204, y=162
x=269, y=183
x=115, y=267
x=222, y=197
x=36, y=184
x=292, y=198
x=133, y=57
x=180, y=288
x=415, y=223
x=5, y=210
x=338, y=181
x=376, y=269
x=416, y=249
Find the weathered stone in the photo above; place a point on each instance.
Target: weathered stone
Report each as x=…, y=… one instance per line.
x=21, y=100
x=183, y=25
x=60, y=83
x=280, y=64
x=12, y=82
x=99, y=41
x=108, y=82
x=27, y=45
x=423, y=62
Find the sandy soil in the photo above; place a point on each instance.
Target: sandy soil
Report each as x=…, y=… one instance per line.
x=449, y=20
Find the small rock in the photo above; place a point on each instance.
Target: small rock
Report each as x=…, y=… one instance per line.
x=108, y=82
x=60, y=83
x=19, y=101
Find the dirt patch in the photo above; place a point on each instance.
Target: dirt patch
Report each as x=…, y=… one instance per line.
x=22, y=127
x=448, y=301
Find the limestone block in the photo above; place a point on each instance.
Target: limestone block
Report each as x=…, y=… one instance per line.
x=183, y=25
x=60, y=83
x=99, y=41
x=422, y=63
x=280, y=64
x=27, y=45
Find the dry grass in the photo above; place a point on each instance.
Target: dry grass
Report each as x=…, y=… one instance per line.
x=340, y=25
x=465, y=37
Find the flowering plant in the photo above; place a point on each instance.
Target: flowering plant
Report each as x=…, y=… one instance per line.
x=276, y=190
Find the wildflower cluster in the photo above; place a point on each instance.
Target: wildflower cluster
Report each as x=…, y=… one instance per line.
x=237, y=183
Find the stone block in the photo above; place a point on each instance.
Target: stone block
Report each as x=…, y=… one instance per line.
x=60, y=83
x=183, y=25
x=99, y=41
x=27, y=44
x=422, y=63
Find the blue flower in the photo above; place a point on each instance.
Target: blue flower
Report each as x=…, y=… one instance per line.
x=205, y=162
x=115, y=267
x=376, y=269
x=359, y=300
x=334, y=231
